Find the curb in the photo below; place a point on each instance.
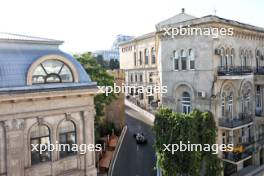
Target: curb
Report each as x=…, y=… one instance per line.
x=145, y=113
x=115, y=154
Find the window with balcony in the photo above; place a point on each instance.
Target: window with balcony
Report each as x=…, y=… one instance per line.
x=258, y=101
x=186, y=102
x=246, y=102
x=232, y=55
x=176, y=60
x=223, y=105
x=230, y=105
x=222, y=59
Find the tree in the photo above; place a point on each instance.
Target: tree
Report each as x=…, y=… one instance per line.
x=98, y=74
x=194, y=128
x=100, y=60
x=113, y=64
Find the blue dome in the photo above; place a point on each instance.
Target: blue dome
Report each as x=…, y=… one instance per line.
x=15, y=63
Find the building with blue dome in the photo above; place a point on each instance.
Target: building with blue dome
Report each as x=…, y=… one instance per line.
x=46, y=97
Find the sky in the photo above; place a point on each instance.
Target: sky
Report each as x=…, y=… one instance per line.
x=90, y=25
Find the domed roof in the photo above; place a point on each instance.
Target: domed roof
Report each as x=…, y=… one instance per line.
x=19, y=52
x=14, y=66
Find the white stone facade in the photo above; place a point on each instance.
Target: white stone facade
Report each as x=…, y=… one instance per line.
x=223, y=75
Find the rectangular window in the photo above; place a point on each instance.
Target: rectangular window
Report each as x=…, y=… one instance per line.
x=176, y=64
x=135, y=59
x=192, y=64
x=141, y=96
x=140, y=58
x=140, y=78
x=146, y=57
x=184, y=63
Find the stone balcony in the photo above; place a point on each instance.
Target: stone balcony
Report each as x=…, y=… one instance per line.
x=234, y=70
x=235, y=122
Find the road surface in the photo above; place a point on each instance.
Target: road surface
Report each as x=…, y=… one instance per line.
x=133, y=159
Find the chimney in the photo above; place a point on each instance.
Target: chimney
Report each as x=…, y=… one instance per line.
x=182, y=10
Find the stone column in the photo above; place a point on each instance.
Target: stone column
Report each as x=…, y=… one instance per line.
x=88, y=127
x=14, y=147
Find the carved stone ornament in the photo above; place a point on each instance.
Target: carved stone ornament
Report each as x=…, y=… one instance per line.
x=14, y=124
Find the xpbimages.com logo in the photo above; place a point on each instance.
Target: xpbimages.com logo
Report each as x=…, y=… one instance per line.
x=148, y=90
x=190, y=31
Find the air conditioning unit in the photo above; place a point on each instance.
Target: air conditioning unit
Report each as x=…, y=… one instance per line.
x=217, y=51
x=202, y=94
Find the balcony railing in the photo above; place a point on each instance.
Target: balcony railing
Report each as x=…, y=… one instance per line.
x=234, y=70
x=241, y=119
x=235, y=157
x=259, y=70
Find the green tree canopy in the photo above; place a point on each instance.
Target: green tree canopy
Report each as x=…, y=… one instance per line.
x=194, y=128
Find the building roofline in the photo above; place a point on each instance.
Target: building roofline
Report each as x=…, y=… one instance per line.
x=48, y=88
x=138, y=38
x=18, y=38
x=214, y=18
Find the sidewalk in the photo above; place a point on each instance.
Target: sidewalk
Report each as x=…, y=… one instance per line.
x=107, y=155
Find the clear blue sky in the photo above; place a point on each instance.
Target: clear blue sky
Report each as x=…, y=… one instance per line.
x=88, y=25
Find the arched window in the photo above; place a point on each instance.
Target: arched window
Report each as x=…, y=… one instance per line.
x=52, y=71
x=242, y=57
x=222, y=61
x=186, y=102
x=146, y=53
x=258, y=101
x=136, y=78
x=232, y=55
x=223, y=105
x=183, y=60
x=153, y=56
x=230, y=105
x=176, y=60
x=40, y=137
x=246, y=102
x=140, y=57
x=191, y=58
x=67, y=135
x=258, y=55
x=227, y=57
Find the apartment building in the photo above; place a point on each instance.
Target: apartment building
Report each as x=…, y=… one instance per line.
x=139, y=61
x=223, y=74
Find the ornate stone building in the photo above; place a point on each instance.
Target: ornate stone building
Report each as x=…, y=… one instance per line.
x=223, y=74
x=46, y=97
x=139, y=61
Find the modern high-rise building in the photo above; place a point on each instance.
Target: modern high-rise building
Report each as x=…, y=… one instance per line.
x=221, y=73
